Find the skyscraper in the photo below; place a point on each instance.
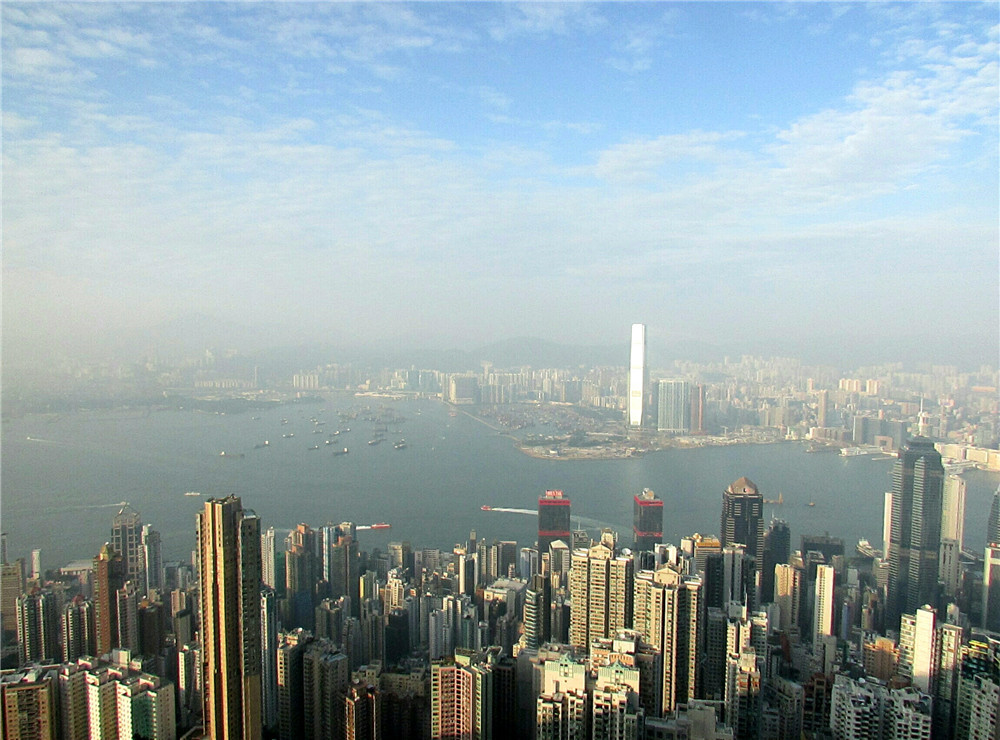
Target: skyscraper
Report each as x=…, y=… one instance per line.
x=915, y=529
x=126, y=539
x=553, y=520
x=638, y=378
x=666, y=608
x=673, y=406
x=823, y=604
x=109, y=577
x=647, y=520
x=229, y=560
x=742, y=519
x=600, y=587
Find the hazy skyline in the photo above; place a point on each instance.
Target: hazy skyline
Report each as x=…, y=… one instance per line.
x=455, y=174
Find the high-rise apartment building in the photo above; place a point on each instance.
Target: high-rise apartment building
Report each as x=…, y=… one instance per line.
x=743, y=519
x=915, y=530
x=230, y=581
x=673, y=406
x=553, y=520
x=666, y=611
x=600, y=588
x=37, y=627
x=823, y=604
x=647, y=520
x=451, y=702
x=638, y=378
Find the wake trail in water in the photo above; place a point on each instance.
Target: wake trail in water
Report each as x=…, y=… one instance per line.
x=89, y=507
x=505, y=510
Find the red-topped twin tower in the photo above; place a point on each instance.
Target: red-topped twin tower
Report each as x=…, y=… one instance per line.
x=553, y=520
x=647, y=520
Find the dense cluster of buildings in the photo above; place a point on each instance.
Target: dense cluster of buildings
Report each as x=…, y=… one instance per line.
x=306, y=635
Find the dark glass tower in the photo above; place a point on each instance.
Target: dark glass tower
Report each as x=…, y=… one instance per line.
x=777, y=549
x=915, y=528
x=647, y=520
x=553, y=520
x=742, y=519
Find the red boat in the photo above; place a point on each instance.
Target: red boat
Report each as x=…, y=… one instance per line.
x=486, y=508
x=381, y=525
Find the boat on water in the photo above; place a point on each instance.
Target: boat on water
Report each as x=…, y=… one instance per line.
x=262, y=445
x=314, y=447
x=381, y=525
x=230, y=454
x=377, y=440
x=486, y=507
x=811, y=503
x=193, y=493
x=400, y=445
x=289, y=435
x=340, y=452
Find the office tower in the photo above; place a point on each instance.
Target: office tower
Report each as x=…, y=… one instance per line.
x=991, y=588
x=638, y=378
x=742, y=519
x=451, y=702
x=37, y=627
x=301, y=574
x=126, y=539
x=647, y=520
x=821, y=407
x=915, y=533
x=152, y=557
x=777, y=549
x=230, y=573
x=823, y=604
x=77, y=629
x=787, y=594
x=666, y=609
x=553, y=519
x=537, y=612
x=673, y=406
x=109, y=577
x=600, y=588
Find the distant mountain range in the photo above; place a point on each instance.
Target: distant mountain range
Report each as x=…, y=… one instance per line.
x=281, y=351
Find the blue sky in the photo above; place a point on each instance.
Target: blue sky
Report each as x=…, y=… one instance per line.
x=458, y=173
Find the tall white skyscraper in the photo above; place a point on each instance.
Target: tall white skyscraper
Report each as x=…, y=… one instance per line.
x=638, y=378
x=823, y=612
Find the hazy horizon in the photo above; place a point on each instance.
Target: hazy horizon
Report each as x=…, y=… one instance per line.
x=812, y=176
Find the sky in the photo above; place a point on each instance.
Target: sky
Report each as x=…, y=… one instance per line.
x=452, y=174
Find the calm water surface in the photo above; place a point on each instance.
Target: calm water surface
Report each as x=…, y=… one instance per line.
x=63, y=476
